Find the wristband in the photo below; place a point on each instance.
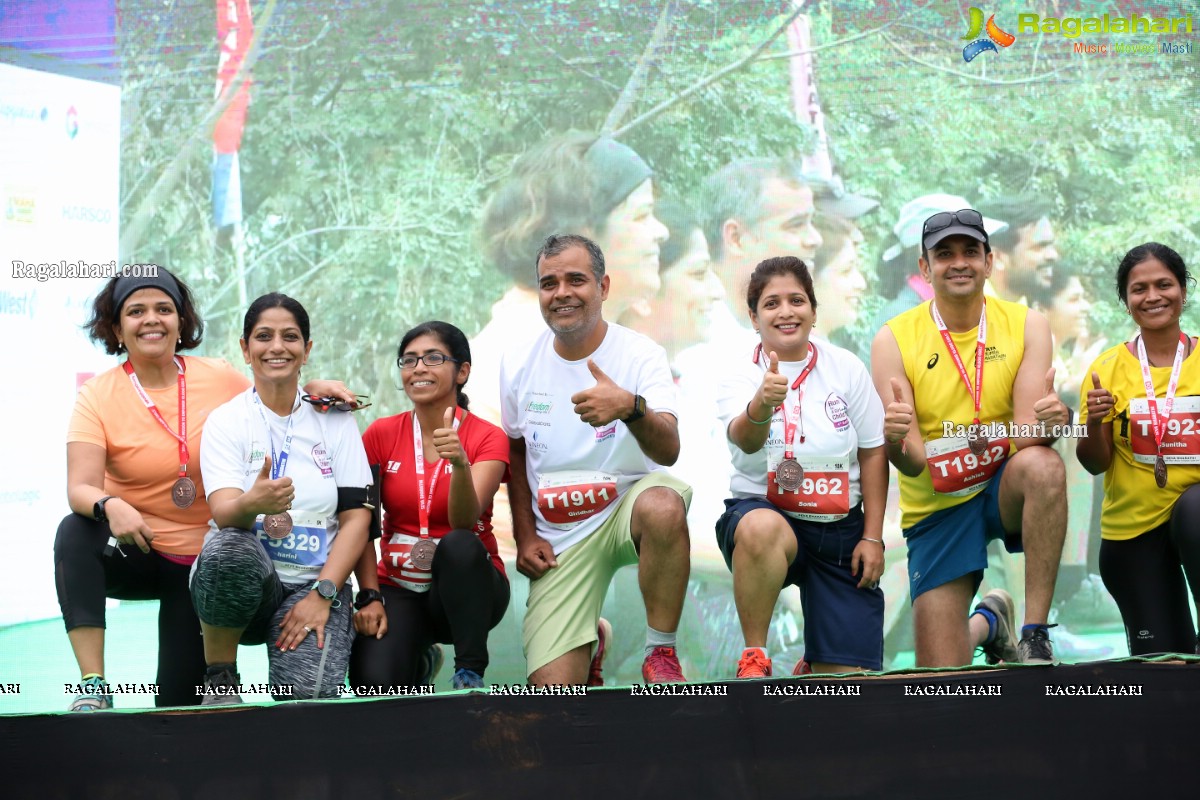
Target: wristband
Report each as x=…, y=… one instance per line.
x=753, y=421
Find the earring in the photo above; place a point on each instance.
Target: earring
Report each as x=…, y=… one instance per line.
x=179, y=340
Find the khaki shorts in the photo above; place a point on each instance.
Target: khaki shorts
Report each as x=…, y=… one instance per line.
x=564, y=604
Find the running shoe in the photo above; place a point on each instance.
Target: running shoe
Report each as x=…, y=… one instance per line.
x=802, y=668
x=432, y=661
x=92, y=696
x=466, y=679
x=1002, y=647
x=753, y=664
x=662, y=666
x=1035, y=646
x=221, y=688
x=603, y=634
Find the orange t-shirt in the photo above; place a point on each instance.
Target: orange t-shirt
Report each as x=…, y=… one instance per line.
x=142, y=459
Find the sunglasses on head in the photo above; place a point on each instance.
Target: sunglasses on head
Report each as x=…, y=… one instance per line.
x=965, y=216
x=325, y=404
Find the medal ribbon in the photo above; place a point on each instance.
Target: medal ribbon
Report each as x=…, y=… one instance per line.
x=975, y=391
x=790, y=418
x=1157, y=420
x=425, y=502
x=180, y=437
x=278, y=462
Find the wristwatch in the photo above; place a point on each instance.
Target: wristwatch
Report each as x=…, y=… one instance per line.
x=368, y=596
x=639, y=409
x=325, y=588
x=98, y=509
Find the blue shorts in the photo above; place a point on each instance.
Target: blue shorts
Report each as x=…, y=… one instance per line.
x=842, y=623
x=953, y=542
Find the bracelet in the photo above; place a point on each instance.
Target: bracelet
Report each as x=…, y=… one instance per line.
x=753, y=421
x=876, y=541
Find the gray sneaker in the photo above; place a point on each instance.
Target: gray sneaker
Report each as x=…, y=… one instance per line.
x=1003, y=646
x=221, y=689
x=1035, y=646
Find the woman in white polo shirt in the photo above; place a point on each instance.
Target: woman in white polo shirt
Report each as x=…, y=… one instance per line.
x=805, y=427
x=287, y=488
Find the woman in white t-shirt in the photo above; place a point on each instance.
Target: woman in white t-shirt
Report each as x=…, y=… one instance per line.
x=287, y=487
x=805, y=429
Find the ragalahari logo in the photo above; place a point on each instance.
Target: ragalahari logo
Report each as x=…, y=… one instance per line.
x=995, y=36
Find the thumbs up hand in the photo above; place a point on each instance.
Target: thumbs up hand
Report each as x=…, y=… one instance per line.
x=268, y=495
x=1100, y=402
x=446, y=440
x=898, y=416
x=1050, y=410
x=603, y=403
x=774, y=386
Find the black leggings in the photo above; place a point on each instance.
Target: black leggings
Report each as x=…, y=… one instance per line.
x=84, y=576
x=1146, y=576
x=467, y=598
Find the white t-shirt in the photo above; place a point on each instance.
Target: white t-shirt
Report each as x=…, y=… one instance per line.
x=576, y=472
x=839, y=413
x=326, y=453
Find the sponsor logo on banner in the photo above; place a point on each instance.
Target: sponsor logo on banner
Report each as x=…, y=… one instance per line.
x=96, y=214
x=20, y=205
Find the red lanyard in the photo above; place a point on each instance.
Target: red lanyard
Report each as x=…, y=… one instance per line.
x=180, y=437
x=425, y=502
x=796, y=413
x=1159, y=421
x=975, y=391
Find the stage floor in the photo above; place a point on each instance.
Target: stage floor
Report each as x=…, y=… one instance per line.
x=1107, y=729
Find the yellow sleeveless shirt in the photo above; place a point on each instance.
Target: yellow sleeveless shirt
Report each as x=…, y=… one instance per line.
x=941, y=396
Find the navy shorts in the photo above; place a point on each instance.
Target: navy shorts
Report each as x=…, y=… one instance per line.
x=842, y=623
x=952, y=542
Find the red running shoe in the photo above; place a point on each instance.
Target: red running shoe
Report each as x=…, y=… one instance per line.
x=802, y=668
x=662, y=666
x=603, y=634
x=753, y=664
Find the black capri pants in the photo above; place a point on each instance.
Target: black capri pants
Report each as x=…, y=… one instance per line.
x=467, y=598
x=84, y=577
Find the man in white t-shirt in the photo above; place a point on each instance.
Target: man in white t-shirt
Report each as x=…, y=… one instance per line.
x=589, y=408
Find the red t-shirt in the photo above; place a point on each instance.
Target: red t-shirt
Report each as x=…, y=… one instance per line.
x=389, y=443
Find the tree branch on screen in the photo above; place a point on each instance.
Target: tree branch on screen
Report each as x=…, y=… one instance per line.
x=977, y=78
x=201, y=134
x=637, y=80
x=566, y=61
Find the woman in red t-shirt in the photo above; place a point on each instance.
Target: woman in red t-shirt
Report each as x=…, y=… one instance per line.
x=441, y=577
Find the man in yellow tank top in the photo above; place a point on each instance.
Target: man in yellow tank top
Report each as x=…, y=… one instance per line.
x=970, y=414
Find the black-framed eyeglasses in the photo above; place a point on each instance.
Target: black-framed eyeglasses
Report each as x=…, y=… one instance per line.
x=430, y=360
x=325, y=404
x=944, y=219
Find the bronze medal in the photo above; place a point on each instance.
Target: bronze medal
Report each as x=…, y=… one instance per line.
x=277, y=526
x=789, y=474
x=183, y=492
x=978, y=445
x=1160, y=472
x=422, y=554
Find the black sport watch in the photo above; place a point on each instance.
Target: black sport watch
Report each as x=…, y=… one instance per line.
x=98, y=509
x=368, y=596
x=639, y=409
x=326, y=589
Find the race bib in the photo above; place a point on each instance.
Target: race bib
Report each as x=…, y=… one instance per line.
x=958, y=472
x=306, y=546
x=1180, y=444
x=397, y=559
x=569, y=497
x=823, y=495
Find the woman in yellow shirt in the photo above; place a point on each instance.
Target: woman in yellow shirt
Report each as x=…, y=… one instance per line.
x=1141, y=403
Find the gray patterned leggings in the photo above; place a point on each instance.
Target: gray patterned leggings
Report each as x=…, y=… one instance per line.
x=234, y=585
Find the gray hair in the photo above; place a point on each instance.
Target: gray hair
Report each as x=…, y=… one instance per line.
x=556, y=243
x=735, y=191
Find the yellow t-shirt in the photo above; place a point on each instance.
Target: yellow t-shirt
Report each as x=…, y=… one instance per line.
x=142, y=459
x=1133, y=503
x=939, y=394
